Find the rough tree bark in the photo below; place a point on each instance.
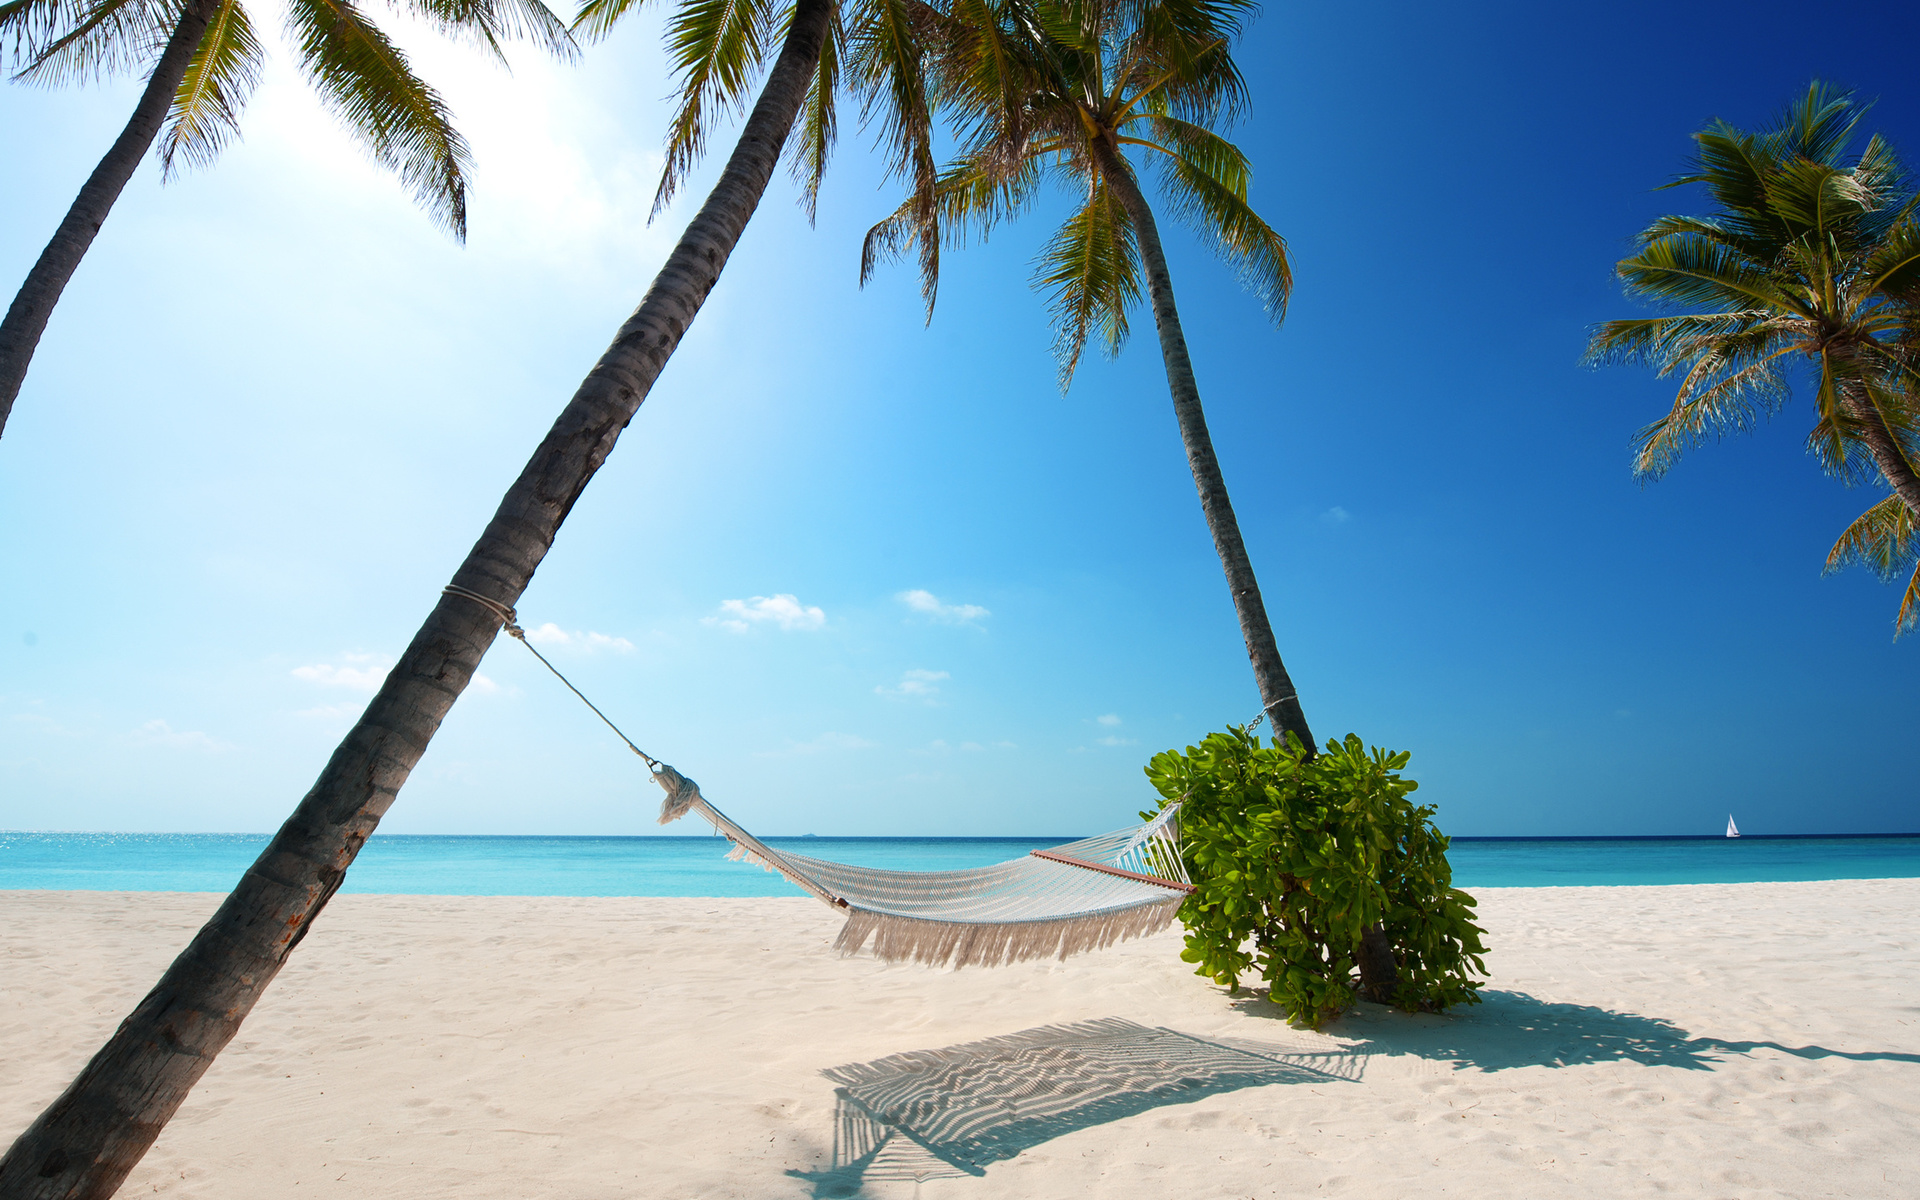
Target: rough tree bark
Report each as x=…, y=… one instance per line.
x=1277, y=696
x=82, y=1146
x=27, y=317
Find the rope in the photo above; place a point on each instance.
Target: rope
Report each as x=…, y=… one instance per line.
x=510, y=622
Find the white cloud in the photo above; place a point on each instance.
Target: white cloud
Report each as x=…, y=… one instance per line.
x=1335, y=516
x=480, y=685
x=784, y=610
x=928, y=605
x=552, y=635
x=916, y=685
x=1109, y=719
x=357, y=672
x=1113, y=741
x=159, y=733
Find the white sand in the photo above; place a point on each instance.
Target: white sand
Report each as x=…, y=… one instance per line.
x=1746, y=1040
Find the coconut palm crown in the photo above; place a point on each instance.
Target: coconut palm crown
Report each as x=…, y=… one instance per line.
x=1809, y=266
x=1061, y=91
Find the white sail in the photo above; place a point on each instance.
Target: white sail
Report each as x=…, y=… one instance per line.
x=1732, y=829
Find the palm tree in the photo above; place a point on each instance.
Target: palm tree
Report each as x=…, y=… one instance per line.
x=1810, y=265
x=1063, y=89
x=84, y=1144
x=1883, y=540
x=208, y=64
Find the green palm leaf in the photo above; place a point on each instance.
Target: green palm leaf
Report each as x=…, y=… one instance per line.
x=72, y=41
x=1206, y=177
x=367, y=82
x=1090, y=270
x=206, y=108
x=1883, y=540
x=715, y=47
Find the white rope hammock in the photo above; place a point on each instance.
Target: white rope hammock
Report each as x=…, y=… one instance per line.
x=1085, y=895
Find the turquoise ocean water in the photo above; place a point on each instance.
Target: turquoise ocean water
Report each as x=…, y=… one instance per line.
x=697, y=866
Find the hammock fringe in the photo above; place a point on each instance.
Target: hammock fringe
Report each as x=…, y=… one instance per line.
x=936, y=943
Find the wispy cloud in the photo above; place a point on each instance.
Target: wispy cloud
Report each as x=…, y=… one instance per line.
x=356, y=672
x=826, y=743
x=159, y=733
x=928, y=605
x=915, y=685
x=783, y=610
x=1335, y=516
x=1109, y=719
x=552, y=635
x=1113, y=741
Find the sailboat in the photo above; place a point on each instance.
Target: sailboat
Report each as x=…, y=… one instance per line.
x=1732, y=829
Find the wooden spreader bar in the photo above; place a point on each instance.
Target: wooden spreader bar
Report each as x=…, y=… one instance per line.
x=1107, y=870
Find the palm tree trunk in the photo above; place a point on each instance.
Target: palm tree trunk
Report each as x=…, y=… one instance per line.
x=27, y=317
x=1277, y=696
x=86, y=1142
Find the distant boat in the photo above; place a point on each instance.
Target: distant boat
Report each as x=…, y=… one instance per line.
x=1732, y=829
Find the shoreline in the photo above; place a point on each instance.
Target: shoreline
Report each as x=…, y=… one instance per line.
x=1711, y=1039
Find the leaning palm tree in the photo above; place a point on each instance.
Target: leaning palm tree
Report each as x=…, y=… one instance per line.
x=1884, y=540
x=1063, y=90
x=208, y=61
x=1809, y=267
x=84, y=1144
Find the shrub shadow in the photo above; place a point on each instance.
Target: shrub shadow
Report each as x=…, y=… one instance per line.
x=1513, y=1029
x=933, y=1114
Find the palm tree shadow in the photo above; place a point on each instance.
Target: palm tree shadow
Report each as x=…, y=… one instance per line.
x=1513, y=1029
x=933, y=1114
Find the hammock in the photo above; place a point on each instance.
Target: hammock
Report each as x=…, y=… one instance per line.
x=1084, y=895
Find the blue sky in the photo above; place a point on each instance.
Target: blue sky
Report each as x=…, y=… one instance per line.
x=860, y=575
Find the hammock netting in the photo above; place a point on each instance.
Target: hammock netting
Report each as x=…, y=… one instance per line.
x=1084, y=895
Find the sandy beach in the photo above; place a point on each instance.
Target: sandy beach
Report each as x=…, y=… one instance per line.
x=1717, y=1040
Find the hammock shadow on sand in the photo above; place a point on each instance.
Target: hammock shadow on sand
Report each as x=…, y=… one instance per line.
x=1513, y=1029
x=933, y=1114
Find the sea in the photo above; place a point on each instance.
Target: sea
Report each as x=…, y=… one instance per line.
x=449, y=865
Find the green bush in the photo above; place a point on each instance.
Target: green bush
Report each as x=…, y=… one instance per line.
x=1298, y=858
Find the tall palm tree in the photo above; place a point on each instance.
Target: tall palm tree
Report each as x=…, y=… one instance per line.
x=84, y=1144
x=1809, y=266
x=1064, y=89
x=208, y=63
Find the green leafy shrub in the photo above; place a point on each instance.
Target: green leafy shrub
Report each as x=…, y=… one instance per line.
x=1297, y=858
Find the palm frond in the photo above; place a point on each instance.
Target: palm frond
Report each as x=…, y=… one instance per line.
x=1206, y=178
x=890, y=51
x=365, y=80
x=1730, y=396
x=1694, y=271
x=59, y=42
x=222, y=74
x=597, y=18
x=818, y=120
x=487, y=23
x=1091, y=270
x=1883, y=540
x=716, y=47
